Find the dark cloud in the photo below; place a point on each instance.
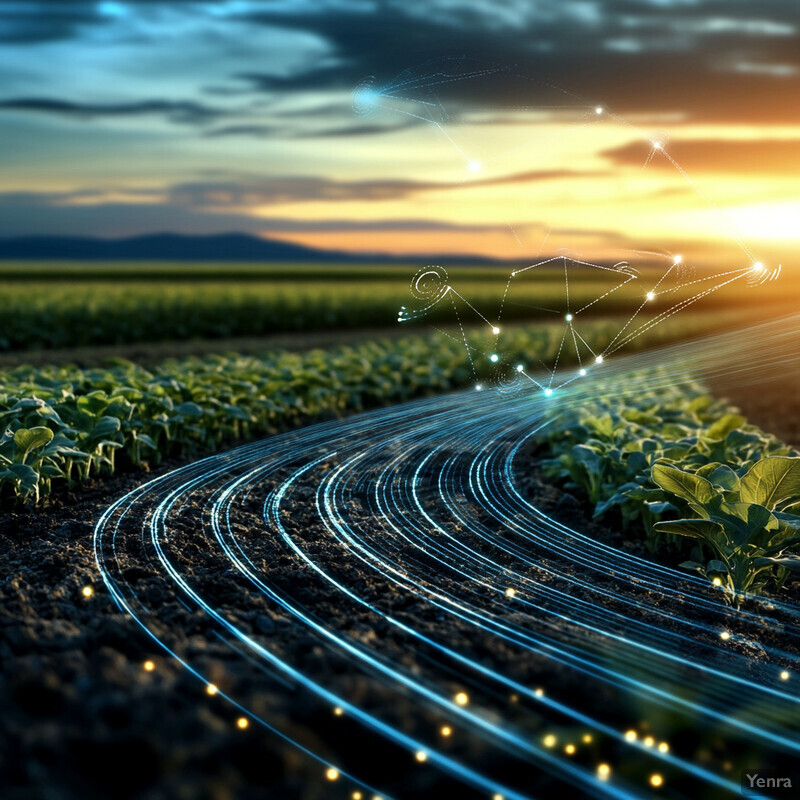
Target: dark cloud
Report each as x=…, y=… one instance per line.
x=632, y=55
x=764, y=156
x=178, y=111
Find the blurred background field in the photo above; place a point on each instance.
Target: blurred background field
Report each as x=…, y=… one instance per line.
x=114, y=308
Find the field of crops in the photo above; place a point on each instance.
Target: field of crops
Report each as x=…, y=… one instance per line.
x=62, y=306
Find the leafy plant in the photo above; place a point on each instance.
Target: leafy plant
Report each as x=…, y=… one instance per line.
x=742, y=522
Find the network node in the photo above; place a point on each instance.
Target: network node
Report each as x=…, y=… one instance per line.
x=758, y=267
x=494, y=358
x=474, y=166
x=568, y=317
x=657, y=145
x=598, y=110
x=495, y=330
x=677, y=259
x=548, y=392
x=478, y=387
x=598, y=360
x=581, y=371
x=651, y=295
x=519, y=367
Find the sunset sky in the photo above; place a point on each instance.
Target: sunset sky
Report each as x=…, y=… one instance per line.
x=479, y=135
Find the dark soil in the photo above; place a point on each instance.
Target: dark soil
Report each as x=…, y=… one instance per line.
x=81, y=718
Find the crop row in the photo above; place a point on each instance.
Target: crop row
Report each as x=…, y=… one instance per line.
x=690, y=474
x=60, y=314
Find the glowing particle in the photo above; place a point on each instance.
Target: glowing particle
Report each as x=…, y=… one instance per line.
x=548, y=392
x=657, y=145
x=332, y=774
x=598, y=110
x=651, y=295
x=446, y=730
x=497, y=796
x=581, y=372
x=648, y=741
x=785, y=675
x=725, y=635
x=677, y=259
x=494, y=358
x=421, y=756
x=630, y=736
x=663, y=748
x=338, y=711
x=510, y=592
x=568, y=317
x=514, y=698
x=603, y=771
x=478, y=387
x=758, y=267
x=598, y=359
x=656, y=780
x=539, y=692
x=495, y=330
x=211, y=690
x=356, y=796
x=570, y=749
x=149, y=666
x=717, y=581
x=586, y=738
x=519, y=367
x=462, y=698
x=549, y=740
x=242, y=723
x=87, y=591
x=474, y=166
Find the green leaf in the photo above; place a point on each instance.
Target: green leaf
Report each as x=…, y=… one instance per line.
x=105, y=427
x=27, y=439
x=695, y=490
x=189, y=410
x=702, y=529
x=724, y=425
x=771, y=481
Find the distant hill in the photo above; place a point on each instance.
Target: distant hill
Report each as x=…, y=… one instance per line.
x=180, y=247
x=164, y=247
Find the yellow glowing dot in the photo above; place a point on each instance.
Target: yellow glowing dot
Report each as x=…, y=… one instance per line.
x=656, y=780
x=242, y=723
x=497, y=796
x=586, y=738
x=510, y=592
x=651, y=295
x=570, y=749
x=421, y=756
x=357, y=796
x=648, y=741
x=656, y=145
x=603, y=771
x=462, y=698
x=539, y=692
x=332, y=774
x=549, y=740
x=630, y=736
x=376, y=797
x=87, y=591
x=495, y=330
x=725, y=635
x=211, y=690
x=338, y=711
x=514, y=698
x=717, y=581
x=677, y=259
x=758, y=267
x=785, y=675
x=149, y=666
x=598, y=110
x=663, y=748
